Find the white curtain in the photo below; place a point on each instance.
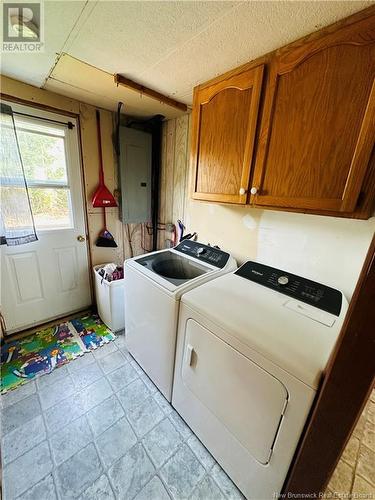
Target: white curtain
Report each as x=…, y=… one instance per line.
x=17, y=222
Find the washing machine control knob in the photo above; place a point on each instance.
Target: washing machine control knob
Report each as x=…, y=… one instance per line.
x=201, y=251
x=283, y=280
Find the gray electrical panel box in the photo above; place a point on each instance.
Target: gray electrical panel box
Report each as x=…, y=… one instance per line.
x=135, y=175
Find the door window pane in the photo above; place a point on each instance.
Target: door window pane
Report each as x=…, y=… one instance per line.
x=43, y=154
x=51, y=208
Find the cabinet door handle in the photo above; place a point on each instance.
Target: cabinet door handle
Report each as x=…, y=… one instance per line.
x=242, y=191
x=254, y=190
x=189, y=354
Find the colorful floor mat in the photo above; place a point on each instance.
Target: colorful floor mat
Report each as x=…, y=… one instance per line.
x=40, y=353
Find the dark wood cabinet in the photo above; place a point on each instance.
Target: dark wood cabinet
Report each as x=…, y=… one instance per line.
x=224, y=123
x=310, y=150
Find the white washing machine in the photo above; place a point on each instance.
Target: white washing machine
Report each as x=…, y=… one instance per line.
x=251, y=350
x=154, y=284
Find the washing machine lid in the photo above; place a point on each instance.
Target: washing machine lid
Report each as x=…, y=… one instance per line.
x=187, y=264
x=294, y=334
x=173, y=267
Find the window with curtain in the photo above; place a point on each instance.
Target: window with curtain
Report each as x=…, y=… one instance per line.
x=16, y=221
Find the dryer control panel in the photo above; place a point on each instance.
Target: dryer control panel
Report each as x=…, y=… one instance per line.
x=313, y=293
x=205, y=253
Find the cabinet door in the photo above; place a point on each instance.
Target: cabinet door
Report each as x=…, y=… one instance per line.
x=317, y=131
x=224, y=123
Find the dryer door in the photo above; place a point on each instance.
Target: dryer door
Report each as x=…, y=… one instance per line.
x=245, y=398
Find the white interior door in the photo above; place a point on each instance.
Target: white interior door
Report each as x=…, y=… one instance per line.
x=48, y=278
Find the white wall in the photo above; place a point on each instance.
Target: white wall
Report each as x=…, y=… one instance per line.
x=326, y=249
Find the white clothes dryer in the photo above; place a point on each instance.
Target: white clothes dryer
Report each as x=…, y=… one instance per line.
x=251, y=350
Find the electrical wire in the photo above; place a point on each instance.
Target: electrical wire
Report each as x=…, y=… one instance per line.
x=129, y=237
x=143, y=241
x=159, y=228
x=149, y=230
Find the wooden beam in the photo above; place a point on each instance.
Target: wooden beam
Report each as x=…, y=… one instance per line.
x=130, y=84
x=345, y=390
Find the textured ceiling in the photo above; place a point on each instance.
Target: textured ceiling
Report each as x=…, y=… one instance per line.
x=170, y=46
x=173, y=46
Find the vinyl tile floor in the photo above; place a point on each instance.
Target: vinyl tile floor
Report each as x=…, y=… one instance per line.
x=98, y=429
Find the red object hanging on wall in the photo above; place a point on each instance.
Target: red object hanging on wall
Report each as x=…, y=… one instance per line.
x=102, y=197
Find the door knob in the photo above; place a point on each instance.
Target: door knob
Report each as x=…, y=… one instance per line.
x=81, y=238
x=253, y=190
x=242, y=191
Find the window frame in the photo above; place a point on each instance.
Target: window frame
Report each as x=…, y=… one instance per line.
x=37, y=118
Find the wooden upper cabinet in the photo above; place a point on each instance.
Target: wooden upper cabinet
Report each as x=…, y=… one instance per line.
x=318, y=125
x=224, y=123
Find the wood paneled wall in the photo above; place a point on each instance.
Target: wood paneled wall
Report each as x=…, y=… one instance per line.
x=173, y=175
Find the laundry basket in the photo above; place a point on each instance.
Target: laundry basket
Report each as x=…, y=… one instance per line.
x=110, y=300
